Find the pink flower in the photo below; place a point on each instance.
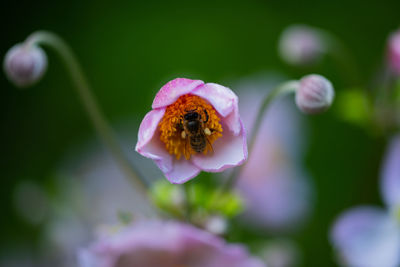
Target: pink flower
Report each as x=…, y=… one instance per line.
x=393, y=52
x=165, y=244
x=211, y=136
x=301, y=45
x=369, y=235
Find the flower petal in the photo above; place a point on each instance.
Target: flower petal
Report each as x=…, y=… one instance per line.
x=230, y=150
x=153, y=244
x=225, y=102
x=170, y=92
x=182, y=171
x=390, y=182
x=149, y=144
x=278, y=200
x=368, y=237
x=87, y=258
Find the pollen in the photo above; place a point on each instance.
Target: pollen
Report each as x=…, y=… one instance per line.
x=172, y=131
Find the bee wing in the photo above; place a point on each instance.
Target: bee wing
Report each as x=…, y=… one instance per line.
x=186, y=150
x=209, y=147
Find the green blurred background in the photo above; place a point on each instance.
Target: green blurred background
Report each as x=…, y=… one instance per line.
x=130, y=49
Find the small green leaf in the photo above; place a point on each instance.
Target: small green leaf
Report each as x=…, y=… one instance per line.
x=168, y=197
x=203, y=200
x=352, y=105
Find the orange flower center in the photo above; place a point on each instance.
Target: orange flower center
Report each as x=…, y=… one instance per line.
x=189, y=126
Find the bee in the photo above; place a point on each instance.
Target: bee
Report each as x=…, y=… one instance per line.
x=193, y=129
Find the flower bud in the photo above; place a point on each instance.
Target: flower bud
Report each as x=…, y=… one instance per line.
x=301, y=45
x=393, y=52
x=315, y=94
x=25, y=65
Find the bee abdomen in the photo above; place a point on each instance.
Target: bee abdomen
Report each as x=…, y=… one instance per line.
x=198, y=143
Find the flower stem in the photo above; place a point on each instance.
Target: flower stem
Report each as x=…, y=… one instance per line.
x=85, y=94
x=283, y=89
x=188, y=201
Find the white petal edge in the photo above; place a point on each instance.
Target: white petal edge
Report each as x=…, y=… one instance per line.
x=149, y=144
x=171, y=91
x=182, y=171
x=225, y=102
x=229, y=151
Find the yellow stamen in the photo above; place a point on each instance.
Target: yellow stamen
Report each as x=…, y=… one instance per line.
x=172, y=134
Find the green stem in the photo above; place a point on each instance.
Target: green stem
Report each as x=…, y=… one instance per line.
x=188, y=204
x=397, y=92
x=95, y=115
x=283, y=89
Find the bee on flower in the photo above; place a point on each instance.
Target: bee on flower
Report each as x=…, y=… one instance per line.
x=193, y=127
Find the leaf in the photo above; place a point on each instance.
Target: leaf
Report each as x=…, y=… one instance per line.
x=352, y=105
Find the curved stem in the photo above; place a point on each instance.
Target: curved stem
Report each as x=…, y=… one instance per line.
x=283, y=89
x=95, y=115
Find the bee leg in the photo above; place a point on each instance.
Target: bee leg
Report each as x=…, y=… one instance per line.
x=207, y=131
x=213, y=130
x=179, y=125
x=209, y=147
x=205, y=112
x=190, y=110
x=183, y=134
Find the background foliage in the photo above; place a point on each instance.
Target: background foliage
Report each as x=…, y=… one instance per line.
x=130, y=49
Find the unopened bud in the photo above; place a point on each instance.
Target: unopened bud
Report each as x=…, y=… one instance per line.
x=315, y=94
x=301, y=45
x=393, y=52
x=25, y=65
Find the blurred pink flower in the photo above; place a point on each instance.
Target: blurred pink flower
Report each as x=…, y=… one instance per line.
x=163, y=137
x=85, y=198
x=393, y=52
x=301, y=45
x=276, y=192
x=165, y=244
x=369, y=236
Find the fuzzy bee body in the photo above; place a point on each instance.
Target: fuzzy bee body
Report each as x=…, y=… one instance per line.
x=198, y=142
x=194, y=129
